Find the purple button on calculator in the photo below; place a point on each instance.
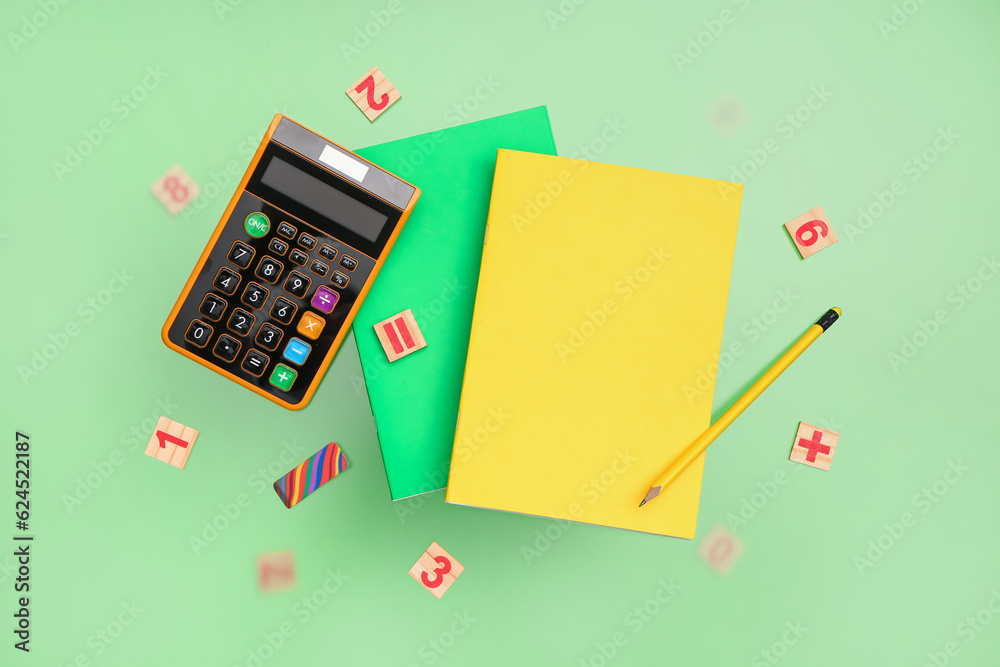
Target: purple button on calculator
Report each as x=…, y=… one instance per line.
x=325, y=299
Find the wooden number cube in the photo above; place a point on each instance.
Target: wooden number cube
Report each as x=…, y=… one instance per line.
x=276, y=572
x=436, y=570
x=726, y=115
x=175, y=190
x=720, y=549
x=171, y=442
x=814, y=446
x=811, y=232
x=373, y=93
x=400, y=335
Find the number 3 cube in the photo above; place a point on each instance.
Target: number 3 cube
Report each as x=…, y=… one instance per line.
x=811, y=232
x=436, y=570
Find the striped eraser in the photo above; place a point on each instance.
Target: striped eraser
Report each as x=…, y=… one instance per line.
x=311, y=474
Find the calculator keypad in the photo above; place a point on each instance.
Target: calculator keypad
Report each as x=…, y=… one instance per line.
x=255, y=363
x=319, y=268
x=198, y=333
x=308, y=242
x=255, y=295
x=269, y=269
x=241, y=322
x=283, y=310
x=267, y=309
x=277, y=246
x=297, y=351
x=268, y=337
x=340, y=279
x=226, y=281
x=241, y=254
x=297, y=284
x=226, y=348
x=212, y=307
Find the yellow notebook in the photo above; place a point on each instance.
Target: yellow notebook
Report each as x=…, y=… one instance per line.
x=602, y=293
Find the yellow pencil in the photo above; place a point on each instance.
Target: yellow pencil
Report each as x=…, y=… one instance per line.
x=702, y=442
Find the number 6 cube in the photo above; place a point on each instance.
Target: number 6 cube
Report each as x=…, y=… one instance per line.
x=811, y=232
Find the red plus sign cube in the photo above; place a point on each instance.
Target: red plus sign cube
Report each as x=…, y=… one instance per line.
x=814, y=446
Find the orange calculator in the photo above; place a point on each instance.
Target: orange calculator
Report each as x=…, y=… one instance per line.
x=276, y=289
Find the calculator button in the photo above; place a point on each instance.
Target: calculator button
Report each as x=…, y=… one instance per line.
x=319, y=268
x=198, y=333
x=257, y=225
x=282, y=377
x=268, y=337
x=307, y=241
x=299, y=257
x=286, y=230
x=269, y=269
x=340, y=279
x=348, y=262
x=255, y=363
x=240, y=321
x=311, y=325
x=297, y=284
x=283, y=310
x=212, y=307
x=226, y=281
x=255, y=295
x=277, y=246
x=241, y=254
x=325, y=299
x=227, y=348
x=296, y=351
x=328, y=252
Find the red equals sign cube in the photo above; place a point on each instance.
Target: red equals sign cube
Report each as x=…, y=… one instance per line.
x=400, y=335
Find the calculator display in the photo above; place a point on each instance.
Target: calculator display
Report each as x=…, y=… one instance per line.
x=276, y=290
x=323, y=199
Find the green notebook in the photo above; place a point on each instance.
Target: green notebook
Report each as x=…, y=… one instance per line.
x=433, y=270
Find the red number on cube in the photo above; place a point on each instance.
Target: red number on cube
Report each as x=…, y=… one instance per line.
x=368, y=85
x=815, y=229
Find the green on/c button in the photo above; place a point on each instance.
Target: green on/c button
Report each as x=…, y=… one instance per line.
x=257, y=225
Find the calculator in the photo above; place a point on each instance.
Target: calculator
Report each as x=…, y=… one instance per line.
x=296, y=251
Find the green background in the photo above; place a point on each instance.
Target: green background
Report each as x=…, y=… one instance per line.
x=902, y=425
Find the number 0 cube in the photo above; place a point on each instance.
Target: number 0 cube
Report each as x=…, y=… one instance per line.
x=811, y=232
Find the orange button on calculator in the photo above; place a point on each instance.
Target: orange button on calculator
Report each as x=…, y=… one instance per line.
x=264, y=306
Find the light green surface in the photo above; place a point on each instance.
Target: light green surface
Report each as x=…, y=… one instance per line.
x=609, y=78
x=433, y=270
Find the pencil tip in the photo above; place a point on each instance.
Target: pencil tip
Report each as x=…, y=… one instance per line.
x=642, y=503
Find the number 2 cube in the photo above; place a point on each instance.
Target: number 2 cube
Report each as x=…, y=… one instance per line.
x=811, y=232
x=373, y=93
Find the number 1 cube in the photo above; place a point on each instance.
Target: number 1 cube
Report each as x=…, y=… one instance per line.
x=811, y=232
